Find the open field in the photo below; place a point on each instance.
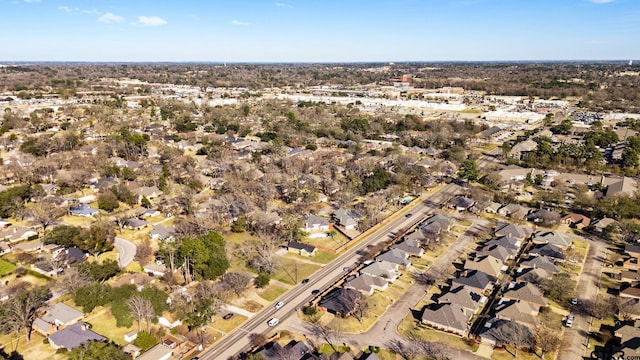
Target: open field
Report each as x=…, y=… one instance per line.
x=6, y=267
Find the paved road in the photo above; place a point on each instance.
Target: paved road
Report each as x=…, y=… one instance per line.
x=238, y=341
x=575, y=338
x=126, y=251
x=385, y=330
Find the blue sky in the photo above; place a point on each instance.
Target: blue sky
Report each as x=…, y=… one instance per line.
x=318, y=30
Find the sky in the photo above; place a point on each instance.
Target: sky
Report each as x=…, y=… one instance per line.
x=318, y=30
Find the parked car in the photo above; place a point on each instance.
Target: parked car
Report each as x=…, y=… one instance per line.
x=304, y=281
x=279, y=304
x=273, y=322
x=228, y=316
x=574, y=301
x=346, y=268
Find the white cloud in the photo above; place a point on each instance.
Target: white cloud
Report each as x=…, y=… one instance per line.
x=601, y=1
x=109, y=18
x=279, y=4
x=151, y=20
x=65, y=8
x=31, y=1
x=239, y=23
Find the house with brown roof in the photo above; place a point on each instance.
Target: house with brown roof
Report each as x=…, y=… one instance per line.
x=366, y=284
x=487, y=264
x=448, y=317
x=466, y=297
x=576, y=221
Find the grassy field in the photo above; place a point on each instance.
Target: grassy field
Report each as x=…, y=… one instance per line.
x=228, y=325
x=76, y=220
x=104, y=323
x=6, y=267
x=410, y=326
x=502, y=354
x=378, y=304
x=287, y=272
x=271, y=292
x=35, y=349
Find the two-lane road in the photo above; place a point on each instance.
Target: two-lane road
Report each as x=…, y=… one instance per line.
x=238, y=340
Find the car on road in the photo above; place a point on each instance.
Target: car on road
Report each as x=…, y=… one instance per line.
x=304, y=281
x=346, y=268
x=568, y=322
x=279, y=304
x=315, y=292
x=228, y=316
x=574, y=301
x=408, y=215
x=273, y=322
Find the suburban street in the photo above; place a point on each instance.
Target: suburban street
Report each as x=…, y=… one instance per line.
x=238, y=340
x=126, y=251
x=576, y=337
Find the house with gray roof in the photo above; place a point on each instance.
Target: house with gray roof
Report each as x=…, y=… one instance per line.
x=57, y=317
x=551, y=237
x=382, y=269
x=395, y=256
x=477, y=280
x=469, y=299
x=550, y=250
x=83, y=210
x=447, y=317
x=621, y=186
x=15, y=233
x=540, y=262
x=513, y=211
x=161, y=232
x=461, y=203
x=501, y=253
x=315, y=223
x=508, y=242
x=544, y=217
x=366, y=284
x=488, y=264
x=493, y=207
x=411, y=247
x=346, y=218
x=158, y=352
x=136, y=224
x=512, y=230
x=521, y=312
x=524, y=291
x=340, y=301
x=73, y=336
x=437, y=223
x=301, y=248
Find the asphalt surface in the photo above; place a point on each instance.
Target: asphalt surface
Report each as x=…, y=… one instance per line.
x=239, y=340
x=126, y=251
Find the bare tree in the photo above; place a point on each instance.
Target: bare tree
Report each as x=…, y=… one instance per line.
x=514, y=334
x=257, y=340
x=19, y=312
x=45, y=213
x=143, y=252
x=141, y=309
x=323, y=331
x=548, y=340
x=601, y=308
x=260, y=254
x=626, y=308
x=405, y=349
x=72, y=280
x=236, y=282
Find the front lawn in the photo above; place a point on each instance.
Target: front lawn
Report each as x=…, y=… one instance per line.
x=228, y=325
x=271, y=292
x=104, y=324
x=288, y=270
x=6, y=267
x=378, y=304
x=410, y=327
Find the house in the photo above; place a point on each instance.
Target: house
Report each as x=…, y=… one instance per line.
x=366, y=284
x=499, y=252
x=314, y=223
x=346, y=218
x=461, y=203
x=137, y=279
x=382, y=269
x=476, y=280
x=151, y=213
x=551, y=237
x=57, y=317
x=158, y=352
x=340, y=301
x=150, y=192
x=540, y=262
x=301, y=248
x=29, y=246
x=493, y=208
x=632, y=291
x=5, y=291
x=621, y=186
x=135, y=224
x=513, y=211
x=4, y=248
x=17, y=233
x=73, y=336
x=576, y=221
x=512, y=230
x=436, y=224
x=447, y=317
x=411, y=247
x=527, y=292
x=161, y=232
x=486, y=264
x=599, y=225
x=395, y=256
x=157, y=269
x=493, y=334
x=544, y=217
x=629, y=276
x=131, y=350
x=83, y=210
x=634, y=252
x=522, y=148
x=467, y=298
x=46, y=269
x=507, y=242
x=629, y=335
x=293, y=350
x=521, y=312
x=550, y=250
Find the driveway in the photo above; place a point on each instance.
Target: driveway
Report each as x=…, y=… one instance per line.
x=126, y=251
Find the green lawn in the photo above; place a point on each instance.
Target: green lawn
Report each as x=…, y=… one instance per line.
x=378, y=303
x=6, y=267
x=228, y=325
x=287, y=272
x=104, y=324
x=272, y=292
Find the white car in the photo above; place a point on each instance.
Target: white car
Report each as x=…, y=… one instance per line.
x=273, y=322
x=279, y=304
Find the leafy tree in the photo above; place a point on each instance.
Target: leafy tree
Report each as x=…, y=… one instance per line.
x=262, y=280
x=92, y=295
x=119, y=308
x=380, y=179
x=203, y=257
x=468, y=170
x=123, y=194
x=100, y=272
x=108, y=201
x=95, y=350
x=145, y=340
x=146, y=202
x=240, y=225
x=157, y=297
x=98, y=238
x=629, y=158
x=14, y=198
x=64, y=235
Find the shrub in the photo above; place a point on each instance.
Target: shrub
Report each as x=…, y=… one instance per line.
x=262, y=280
x=145, y=340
